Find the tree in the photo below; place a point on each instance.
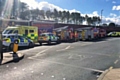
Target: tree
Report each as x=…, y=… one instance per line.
x=48, y=12
x=111, y=24
x=23, y=7
x=42, y=14
x=60, y=15
x=2, y=2
x=67, y=16
x=55, y=14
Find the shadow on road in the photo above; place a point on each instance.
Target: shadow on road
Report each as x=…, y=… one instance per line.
x=98, y=40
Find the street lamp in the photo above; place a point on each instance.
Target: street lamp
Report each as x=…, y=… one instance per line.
x=101, y=16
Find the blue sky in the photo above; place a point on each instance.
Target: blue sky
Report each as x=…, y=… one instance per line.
x=111, y=8
x=87, y=6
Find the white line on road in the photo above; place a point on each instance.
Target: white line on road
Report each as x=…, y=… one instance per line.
x=119, y=56
x=116, y=62
x=64, y=49
x=67, y=47
x=40, y=52
x=90, y=69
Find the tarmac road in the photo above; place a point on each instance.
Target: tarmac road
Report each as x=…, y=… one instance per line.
x=65, y=61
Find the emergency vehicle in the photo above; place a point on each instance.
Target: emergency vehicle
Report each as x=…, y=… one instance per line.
x=8, y=41
x=102, y=33
x=86, y=33
x=96, y=32
x=30, y=32
x=113, y=34
x=66, y=34
x=48, y=38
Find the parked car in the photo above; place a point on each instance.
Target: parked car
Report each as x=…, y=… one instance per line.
x=113, y=34
x=8, y=41
x=48, y=38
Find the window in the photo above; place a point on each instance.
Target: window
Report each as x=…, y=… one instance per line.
x=26, y=32
x=31, y=31
x=16, y=31
x=42, y=35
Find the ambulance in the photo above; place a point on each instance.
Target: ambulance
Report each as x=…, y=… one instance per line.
x=29, y=32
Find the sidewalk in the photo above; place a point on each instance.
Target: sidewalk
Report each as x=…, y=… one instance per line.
x=113, y=74
x=9, y=57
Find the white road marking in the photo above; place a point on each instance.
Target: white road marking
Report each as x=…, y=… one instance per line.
x=116, y=62
x=67, y=47
x=119, y=56
x=42, y=74
x=64, y=49
x=52, y=76
x=23, y=69
x=15, y=67
x=7, y=66
x=64, y=78
x=32, y=71
x=61, y=50
x=90, y=69
x=39, y=53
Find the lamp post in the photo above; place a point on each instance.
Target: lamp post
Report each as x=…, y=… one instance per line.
x=101, y=15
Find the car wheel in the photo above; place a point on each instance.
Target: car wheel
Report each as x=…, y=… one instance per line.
x=40, y=43
x=11, y=46
x=58, y=41
x=49, y=42
x=31, y=45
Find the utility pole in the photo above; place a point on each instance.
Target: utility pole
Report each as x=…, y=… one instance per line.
x=101, y=15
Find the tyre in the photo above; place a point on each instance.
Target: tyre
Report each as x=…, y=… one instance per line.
x=11, y=46
x=40, y=43
x=58, y=41
x=49, y=42
x=31, y=45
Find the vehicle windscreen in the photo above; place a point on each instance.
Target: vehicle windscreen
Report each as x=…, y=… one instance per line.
x=8, y=31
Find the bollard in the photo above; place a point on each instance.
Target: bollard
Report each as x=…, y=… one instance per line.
x=15, y=46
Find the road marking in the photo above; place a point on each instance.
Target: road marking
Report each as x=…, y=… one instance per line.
x=67, y=47
x=64, y=78
x=42, y=74
x=15, y=67
x=90, y=69
x=64, y=49
x=23, y=69
x=61, y=50
x=110, y=68
x=52, y=76
x=119, y=56
x=7, y=66
x=39, y=53
x=116, y=62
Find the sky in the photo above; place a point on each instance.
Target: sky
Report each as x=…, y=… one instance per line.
x=110, y=13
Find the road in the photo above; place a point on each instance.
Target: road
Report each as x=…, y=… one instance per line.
x=65, y=61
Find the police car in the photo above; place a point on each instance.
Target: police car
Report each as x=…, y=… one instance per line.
x=48, y=38
x=8, y=41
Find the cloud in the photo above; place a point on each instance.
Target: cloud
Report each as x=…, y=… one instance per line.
x=113, y=2
x=116, y=7
x=45, y=6
x=113, y=15
x=48, y=6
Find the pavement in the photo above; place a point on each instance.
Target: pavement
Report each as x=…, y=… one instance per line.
x=10, y=57
x=110, y=74
x=81, y=60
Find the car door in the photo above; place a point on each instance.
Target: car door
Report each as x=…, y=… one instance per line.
x=22, y=42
